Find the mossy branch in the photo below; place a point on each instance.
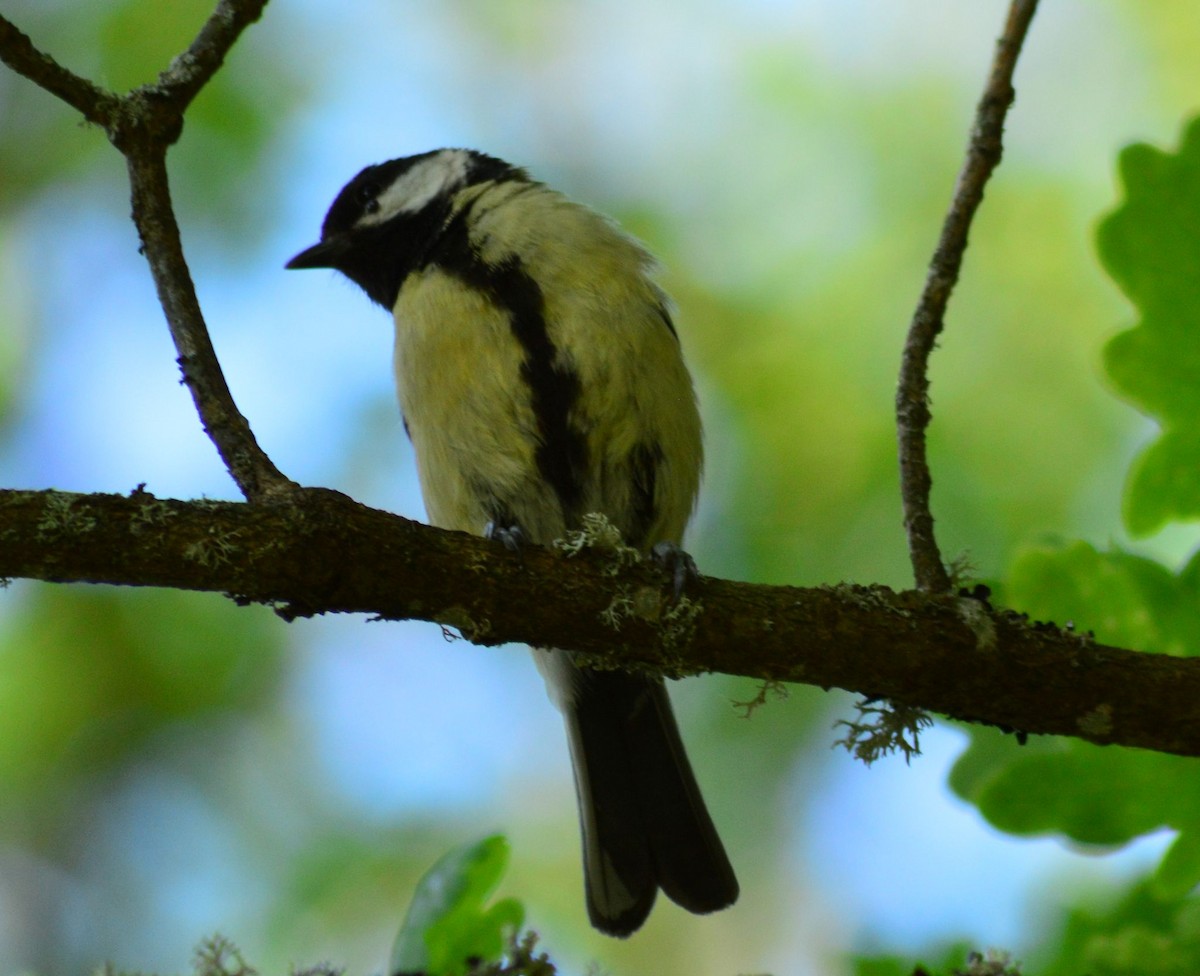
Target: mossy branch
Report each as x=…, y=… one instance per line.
x=324, y=553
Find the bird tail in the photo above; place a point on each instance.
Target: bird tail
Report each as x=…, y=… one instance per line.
x=644, y=822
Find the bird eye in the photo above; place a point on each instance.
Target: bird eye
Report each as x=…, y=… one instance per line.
x=368, y=198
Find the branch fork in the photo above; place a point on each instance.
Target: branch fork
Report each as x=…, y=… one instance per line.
x=143, y=124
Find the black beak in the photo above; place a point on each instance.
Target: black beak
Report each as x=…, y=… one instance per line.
x=326, y=254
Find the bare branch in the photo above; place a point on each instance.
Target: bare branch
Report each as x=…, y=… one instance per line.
x=190, y=72
x=93, y=103
x=326, y=553
x=142, y=125
x=250, y=467
x=912, y=395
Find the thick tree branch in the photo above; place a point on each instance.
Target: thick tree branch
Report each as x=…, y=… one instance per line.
x=143, y=124
x=327, y=553
x=912, y=394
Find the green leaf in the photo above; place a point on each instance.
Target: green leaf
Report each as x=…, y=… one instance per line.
x=1092, y=794
x=1149, y=246
x=447, y=924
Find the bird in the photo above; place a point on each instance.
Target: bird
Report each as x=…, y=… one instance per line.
x=540, y=379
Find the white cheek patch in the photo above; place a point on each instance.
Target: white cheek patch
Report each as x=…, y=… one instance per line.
x=414, y=188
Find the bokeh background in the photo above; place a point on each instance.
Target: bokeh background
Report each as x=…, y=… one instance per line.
x=171, y=765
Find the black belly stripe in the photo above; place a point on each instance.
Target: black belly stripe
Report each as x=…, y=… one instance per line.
x=561, y=454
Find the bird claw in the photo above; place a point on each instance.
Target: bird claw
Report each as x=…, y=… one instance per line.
x=510, y=536
x=678, y=564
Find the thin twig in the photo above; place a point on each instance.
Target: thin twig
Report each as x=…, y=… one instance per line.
x=912, y=394
x=142, y=124
x=191, y=70
x=154, y=216
x=17, y=51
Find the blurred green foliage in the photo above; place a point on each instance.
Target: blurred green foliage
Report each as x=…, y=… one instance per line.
x=90, y=674
x=1120, y=933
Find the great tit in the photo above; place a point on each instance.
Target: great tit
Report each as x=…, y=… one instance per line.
x=540, y=379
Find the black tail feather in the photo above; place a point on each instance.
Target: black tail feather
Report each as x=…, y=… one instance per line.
x=644, y=822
